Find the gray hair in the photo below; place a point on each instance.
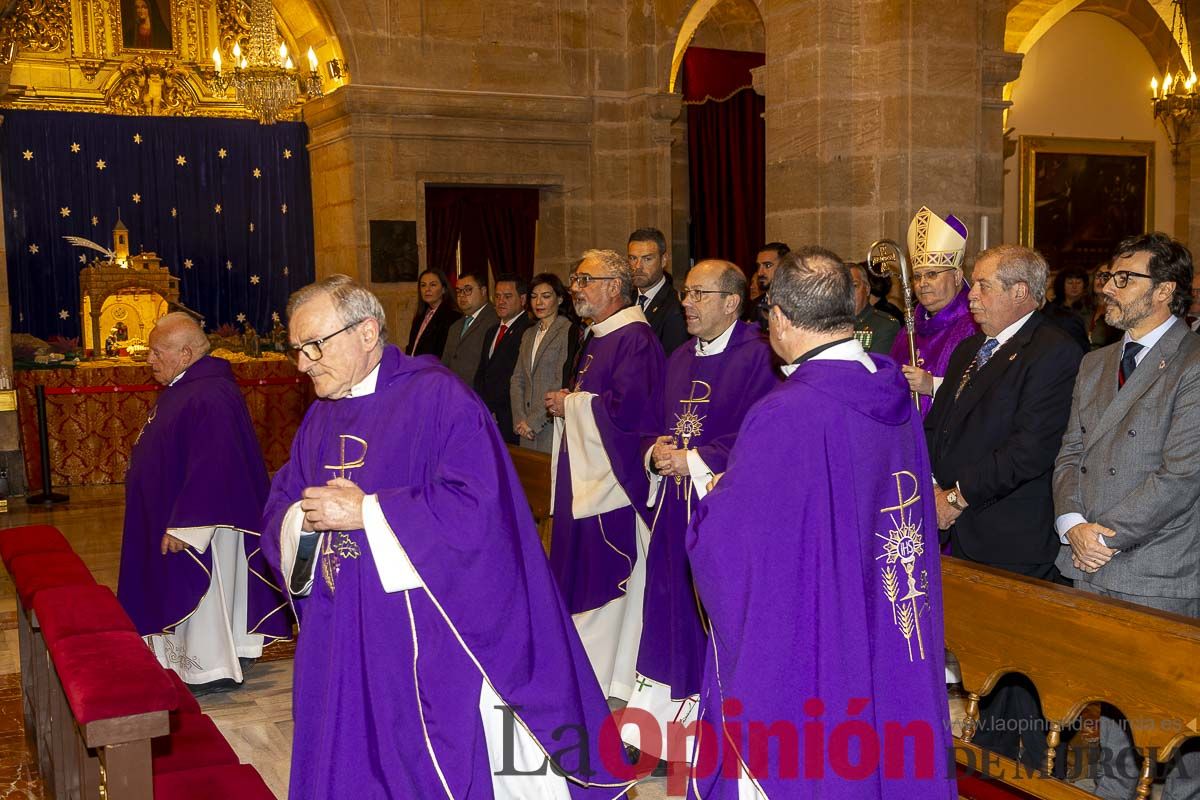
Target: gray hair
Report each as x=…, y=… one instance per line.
x=616, y=265
x=353, y=301
x=813, y=290
x=1017, y=264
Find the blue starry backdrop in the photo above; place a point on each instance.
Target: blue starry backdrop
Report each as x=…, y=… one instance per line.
x=226, y=204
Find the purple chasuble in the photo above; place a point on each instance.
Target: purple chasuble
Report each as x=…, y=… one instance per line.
x=816, y=560
x=705, y=401
x=388, y=685
x=936, y=338
x=196, y=464
x=593, y=557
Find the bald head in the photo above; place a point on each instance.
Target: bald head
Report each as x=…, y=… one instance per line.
x=712, y=298
x=176, y=343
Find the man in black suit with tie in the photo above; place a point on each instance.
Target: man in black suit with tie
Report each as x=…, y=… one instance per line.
x=500, y=351
x=994, y=430
x=656, y=295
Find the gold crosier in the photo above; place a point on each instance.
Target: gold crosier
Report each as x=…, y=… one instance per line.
x=339, y=545
x=690, y=425
x=903, y=543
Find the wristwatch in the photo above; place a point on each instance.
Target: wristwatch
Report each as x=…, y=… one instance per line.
x=952, y=498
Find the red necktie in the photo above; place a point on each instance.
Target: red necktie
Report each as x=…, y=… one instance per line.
x=499, y=335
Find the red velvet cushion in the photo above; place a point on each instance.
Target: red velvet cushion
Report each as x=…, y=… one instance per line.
x=36, y=571
x=75, y=610
x=241, y=782
x=194, y=742
x=187, y=701
x=107, y=675
x=30, y=539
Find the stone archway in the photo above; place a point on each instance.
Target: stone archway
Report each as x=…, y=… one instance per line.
x=1028, y=20
x=737, y=20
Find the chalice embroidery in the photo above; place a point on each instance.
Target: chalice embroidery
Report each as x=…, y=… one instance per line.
x=902, y=545
x=339, y=545
x=689, y=425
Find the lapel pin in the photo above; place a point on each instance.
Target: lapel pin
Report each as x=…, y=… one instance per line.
x=1162, y=364
x=1013, y=357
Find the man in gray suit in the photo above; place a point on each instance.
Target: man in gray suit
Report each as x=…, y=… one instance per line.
x=1127, y=480
x=467, y=336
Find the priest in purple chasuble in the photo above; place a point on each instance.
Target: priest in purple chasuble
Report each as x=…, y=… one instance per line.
x=935, y=256
x=712, y=380
x=435, y=656
x=815, y=557
x=193, y=578
x=601, y=522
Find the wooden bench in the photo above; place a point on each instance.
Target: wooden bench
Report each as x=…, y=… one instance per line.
x=533, y=470
x=1076, y=648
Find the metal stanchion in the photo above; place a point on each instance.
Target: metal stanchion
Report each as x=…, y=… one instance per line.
x=47, y=497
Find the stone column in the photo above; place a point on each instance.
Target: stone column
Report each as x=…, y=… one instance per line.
x=873, y=110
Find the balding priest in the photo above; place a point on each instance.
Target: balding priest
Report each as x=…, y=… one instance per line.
x=712, y=380
x=435, y=656
x=192, y=577
x=816, y=559
x=601, y=522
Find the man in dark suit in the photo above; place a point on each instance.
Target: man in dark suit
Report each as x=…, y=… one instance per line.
x=993, y=434
x=656, y=295
x=467, y=337
x=1127, y=479
x=502, y=345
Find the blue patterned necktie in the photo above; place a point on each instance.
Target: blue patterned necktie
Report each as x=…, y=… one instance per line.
x=642, y=302
x=977, y=363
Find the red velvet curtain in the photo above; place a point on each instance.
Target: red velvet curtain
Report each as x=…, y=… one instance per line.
x=490, y=224
x=726, y=155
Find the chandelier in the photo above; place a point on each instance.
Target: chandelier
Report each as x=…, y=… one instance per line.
x=1176, y=101
x=265, y=79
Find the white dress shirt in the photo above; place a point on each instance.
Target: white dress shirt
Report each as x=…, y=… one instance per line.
x=1065, y=522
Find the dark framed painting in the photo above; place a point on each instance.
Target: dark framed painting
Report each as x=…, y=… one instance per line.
x=147, y=25
x=393, y=250
x=1081, y=197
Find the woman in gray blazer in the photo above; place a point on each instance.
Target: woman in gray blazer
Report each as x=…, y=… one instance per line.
x=544, y=351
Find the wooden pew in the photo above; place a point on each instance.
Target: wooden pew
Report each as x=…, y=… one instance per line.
x=533, y=470
x=1076, y=648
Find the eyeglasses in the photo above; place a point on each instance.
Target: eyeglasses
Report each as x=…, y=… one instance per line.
x=929, y=274
x=696, y=295
x=462, y=290
x=312, y=348
x=582, y=279
x=1120, y=278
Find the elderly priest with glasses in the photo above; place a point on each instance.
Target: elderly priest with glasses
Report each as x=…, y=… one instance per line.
x=435, y=657
x=601, y=522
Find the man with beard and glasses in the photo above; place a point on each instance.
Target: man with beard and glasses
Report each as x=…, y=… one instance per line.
x=1127, y=477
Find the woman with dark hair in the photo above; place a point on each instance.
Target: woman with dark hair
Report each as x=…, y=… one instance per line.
x=434, y=316
x=1100, y=333
x=1071, y=291
x=545, y=347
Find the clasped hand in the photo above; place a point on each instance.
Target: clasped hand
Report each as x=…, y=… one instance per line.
x=919, y=380
x=554, y=402
x=336, y=506
x=1087, y=553
x=667, y=458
